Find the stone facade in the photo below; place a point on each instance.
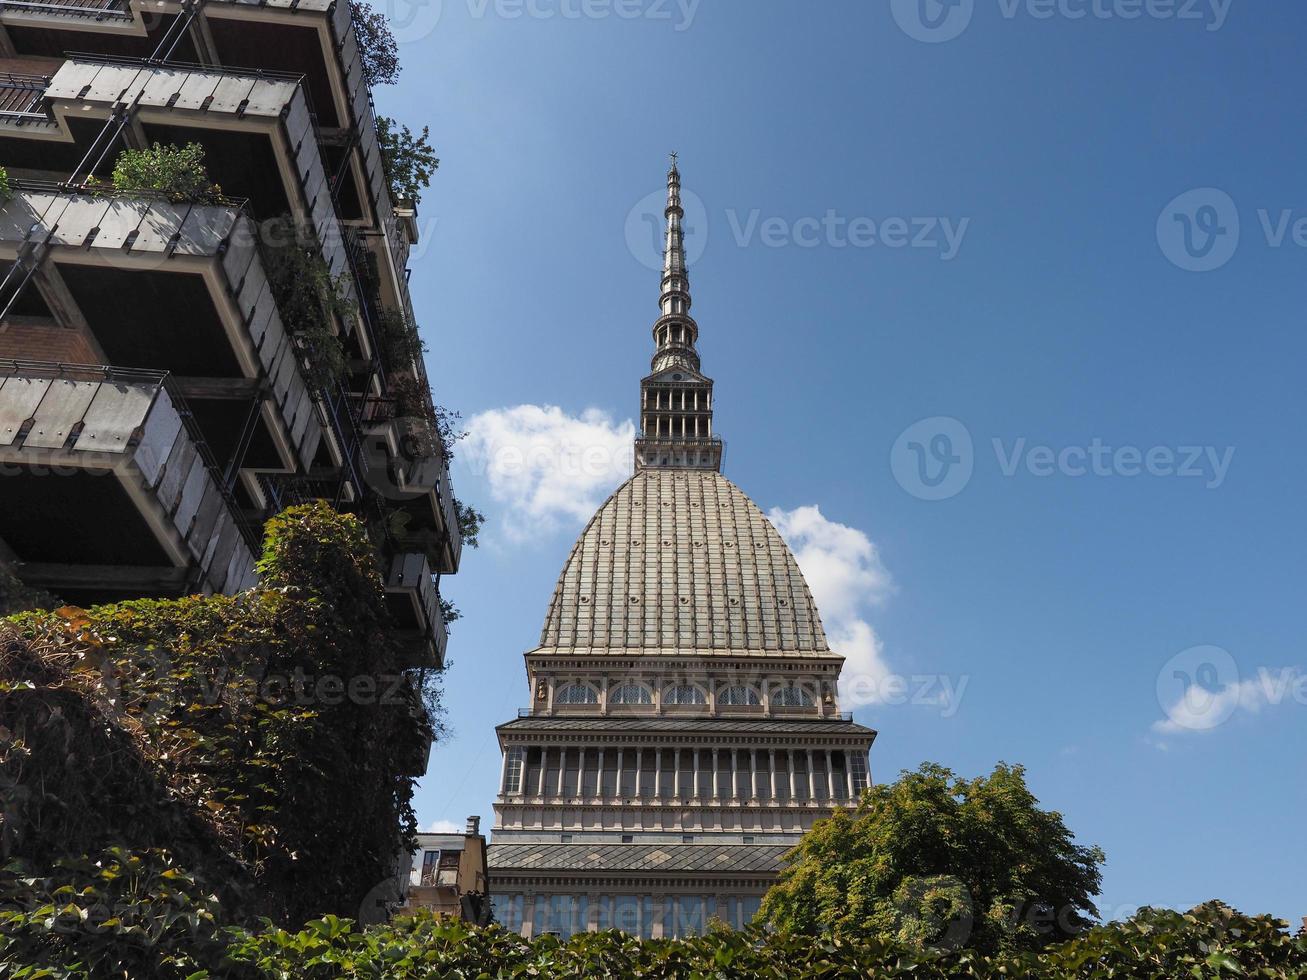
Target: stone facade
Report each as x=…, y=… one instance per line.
x=684, y=728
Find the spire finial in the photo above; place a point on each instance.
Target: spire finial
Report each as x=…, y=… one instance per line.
x=676, y=399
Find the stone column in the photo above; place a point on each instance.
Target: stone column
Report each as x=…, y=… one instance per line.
x=528, y=914
x=812, y=780
x=639, y=772
x=771, y=778
x=599, y=783
x=848, y=774
x=658, y=775
x=562, y=769
x=753, y=773
x=789, y=755
x=695, y=776
x=503, y=772
x=735, y=774
x=830, y=777
x=676, y=774
x=544, y=767
x=716, y=768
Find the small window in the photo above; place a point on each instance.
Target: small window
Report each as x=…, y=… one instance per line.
x=687, y=838
x=576, y=694
x=629, y=693
x=737, y=695
x=858, y=770
x=792, y=696
x=513, y=771
x=683, y=694
x=628, y=838
x=567, y=838
x=748, y=838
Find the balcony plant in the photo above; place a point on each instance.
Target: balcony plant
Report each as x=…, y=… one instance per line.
x=409, y=161
x=176, y=172
x=310, y=300
x=377, y=48
x=6, y=192
x=470, y=521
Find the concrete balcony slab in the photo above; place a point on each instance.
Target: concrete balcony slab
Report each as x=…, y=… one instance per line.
x=109, y=249
x=110, y=490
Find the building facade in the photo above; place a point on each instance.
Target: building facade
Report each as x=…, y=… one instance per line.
x=446, y=875
x=160, y=396
x=684, y=728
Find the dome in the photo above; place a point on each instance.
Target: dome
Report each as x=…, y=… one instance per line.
x=682, y=561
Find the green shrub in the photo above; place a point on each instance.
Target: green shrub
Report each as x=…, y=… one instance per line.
x=174, y=933
x=6, y=192
x=309, y=300
x=409, y=161
x=257, y=738
x=177, y=172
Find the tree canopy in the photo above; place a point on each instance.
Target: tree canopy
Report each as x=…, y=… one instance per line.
x=934, y=860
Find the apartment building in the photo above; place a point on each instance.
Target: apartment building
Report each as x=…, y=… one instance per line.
x=166, y=380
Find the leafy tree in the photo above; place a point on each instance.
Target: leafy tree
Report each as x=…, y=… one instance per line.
x=409, y=161
x=469, y=522
x=933, y=860
x=178, y=172
x=377, y=47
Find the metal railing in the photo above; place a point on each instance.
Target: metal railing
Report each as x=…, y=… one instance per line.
x=20, y=367
x=273, y=74
x=22, y=97
x=102, y=9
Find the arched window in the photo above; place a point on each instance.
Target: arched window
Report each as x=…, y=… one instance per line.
x=792, y=696
x=576, y=693
x=683, y=694
x=737, y=695
x=629, y=693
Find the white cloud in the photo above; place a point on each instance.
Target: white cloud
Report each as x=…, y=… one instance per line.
x=1199, y=709
x=444, y=827
x=547, y=468
x=844, y=571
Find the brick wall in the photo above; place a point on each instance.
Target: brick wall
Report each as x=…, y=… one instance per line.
x=46, y=343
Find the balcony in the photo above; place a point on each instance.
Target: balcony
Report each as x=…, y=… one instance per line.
x=418, y=485
x=23, y=109
x=414, y=604
x=110, y=490
x=180, y=287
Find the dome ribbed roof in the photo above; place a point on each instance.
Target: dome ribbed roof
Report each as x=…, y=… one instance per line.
x=682, y=560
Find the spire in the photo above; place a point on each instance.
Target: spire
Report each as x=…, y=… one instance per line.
x=675, y=296
x=676, y=399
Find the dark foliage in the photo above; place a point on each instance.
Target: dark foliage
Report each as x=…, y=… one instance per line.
x=176, y=936
x=257, y=737
x=377, y=48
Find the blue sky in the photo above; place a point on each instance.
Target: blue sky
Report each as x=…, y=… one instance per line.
x=1117, y=301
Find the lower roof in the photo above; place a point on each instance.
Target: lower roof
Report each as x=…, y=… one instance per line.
x=637, y=858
